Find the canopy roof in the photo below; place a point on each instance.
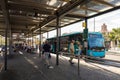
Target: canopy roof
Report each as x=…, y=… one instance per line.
x=27, y=16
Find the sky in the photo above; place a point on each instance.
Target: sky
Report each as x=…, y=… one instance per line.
x=111, y=19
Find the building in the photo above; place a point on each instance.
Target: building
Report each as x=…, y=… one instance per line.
x=104, y=28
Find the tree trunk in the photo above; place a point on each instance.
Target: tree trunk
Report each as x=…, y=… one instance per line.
x=117, y=43
x=113, y=45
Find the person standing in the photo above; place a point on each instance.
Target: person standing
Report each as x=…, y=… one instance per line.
x=47, y=48
x=72, y=51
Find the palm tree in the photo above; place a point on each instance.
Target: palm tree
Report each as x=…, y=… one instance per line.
x=111, y=36
x=115, y=35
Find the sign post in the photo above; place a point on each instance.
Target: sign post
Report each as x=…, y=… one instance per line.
x=85, y=36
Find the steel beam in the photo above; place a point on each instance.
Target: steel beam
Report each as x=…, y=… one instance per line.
x=13, y=20
x=100, y=13
x=86, y=8
x=19, y=30
x=27, y=18
x=50, y=26
x=20, y=15
x=32, y=3
x=73, y=22
x=71, y=5
x=46, y=22
x=75, y=16
x=23, y=7
x=31, y=23
x=104, y=2
x=63, y=11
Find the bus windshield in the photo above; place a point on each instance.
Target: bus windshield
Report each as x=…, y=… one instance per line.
x=95, y=36
x=95, y=40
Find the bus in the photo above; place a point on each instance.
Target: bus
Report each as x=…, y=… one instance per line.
x=95, y=45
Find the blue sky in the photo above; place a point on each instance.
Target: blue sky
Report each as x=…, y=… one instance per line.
x=111, y=19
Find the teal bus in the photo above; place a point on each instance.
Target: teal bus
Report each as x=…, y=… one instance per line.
x=95, y=46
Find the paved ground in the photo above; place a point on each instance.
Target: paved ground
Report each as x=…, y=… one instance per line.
x=25, y=66
x=112, y=55
x=1, y=61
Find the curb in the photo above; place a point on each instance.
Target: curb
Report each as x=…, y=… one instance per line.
x=114, y=52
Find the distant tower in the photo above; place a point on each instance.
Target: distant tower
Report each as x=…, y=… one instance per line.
x=104, y=28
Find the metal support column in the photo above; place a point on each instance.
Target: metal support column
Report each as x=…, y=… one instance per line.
x=29, y=41
x=86, y=24
x=26, y=37
x=78, y=65
x=85, y=37
x=40, y=47
x=7, y=21
x=0, y=40
x=58, y=40
x=32, y=39
x=86, y=33
x=5, y=56
x=10, y=41
x=94, y=24
x=47, y=35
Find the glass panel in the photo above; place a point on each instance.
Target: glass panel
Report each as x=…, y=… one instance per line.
x=52, y=34
x=95, y=36
x=114, y=2
x=79, y=12
x=97, y=6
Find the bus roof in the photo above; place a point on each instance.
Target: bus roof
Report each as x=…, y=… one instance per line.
x=73, y=33
x=68, y=34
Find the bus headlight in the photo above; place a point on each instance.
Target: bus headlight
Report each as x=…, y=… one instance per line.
x=93, y=49
x=102, y=49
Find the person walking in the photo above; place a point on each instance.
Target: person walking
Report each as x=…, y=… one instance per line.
x=42, y=48
x=72, y=51
x=79, y=48
x=47, y=48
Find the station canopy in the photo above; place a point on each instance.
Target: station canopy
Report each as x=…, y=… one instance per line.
x=28, y=16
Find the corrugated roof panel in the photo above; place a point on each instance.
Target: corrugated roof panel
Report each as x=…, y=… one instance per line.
x=114, y=2
x=97, y=6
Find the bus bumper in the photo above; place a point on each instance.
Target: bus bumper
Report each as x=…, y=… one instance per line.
x=96, y=54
